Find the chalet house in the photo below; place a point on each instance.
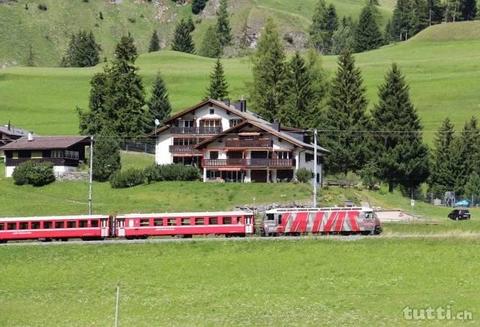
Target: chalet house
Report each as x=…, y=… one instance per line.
x=65, y=152
x=9, y=133
x=230, y=143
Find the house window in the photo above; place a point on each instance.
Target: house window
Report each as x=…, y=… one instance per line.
x=37, y=155
x=234, y=122
x=14, y=155
x=284, y=155
x=213, y=154
x=57, y=154
x=212, y=111
x=308, y=157
x=211, y=123
x=71, y=154
x=188, y=123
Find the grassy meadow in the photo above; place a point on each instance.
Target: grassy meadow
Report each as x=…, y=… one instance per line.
x=443, y=77
x=255, y=283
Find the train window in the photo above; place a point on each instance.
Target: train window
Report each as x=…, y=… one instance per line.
x=23, y=225
x=83, y=223
x=199, y=221
x=2, y=226
x=185, y=221
x=279, y=219
x=239, y=220
x=158, y=222
x=172, y=221
x=270, y=216
x=47, y=224
x=213, y=221
x=71, y=224
x=35, y=225
x=144, y=222
x=227, y=220
x=59, y=224
x=94, y=223
x=11, y=226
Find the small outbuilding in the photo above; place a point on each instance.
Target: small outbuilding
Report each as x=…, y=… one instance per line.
x=64, y=152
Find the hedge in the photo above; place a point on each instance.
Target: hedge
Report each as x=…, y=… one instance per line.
x=34, y=173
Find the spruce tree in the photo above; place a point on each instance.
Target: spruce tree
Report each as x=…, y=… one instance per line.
x=435, y=11
x=300, y=93
x=442, y=177
x=268, y=93
x=93, y=121
x=401, y=157
x=159, y=105
x=198, y=6
x=343, y=38
x=211, y=46
x=126, y=50
x=466, y=154
x=331, y=21
x=345, y=120
x=83, y=51
x=224, y=30
x=367, y=33
x=190, y=24
x=182, y=39
x=468, y=9
x=318, y=38
x=218, y=88
x=106, y=155
x=154, y=43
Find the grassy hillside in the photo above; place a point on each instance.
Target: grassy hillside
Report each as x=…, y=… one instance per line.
x=443, y=77
x=294, y=283
x=23, y=24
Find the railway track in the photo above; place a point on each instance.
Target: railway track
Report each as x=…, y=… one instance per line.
x=250, y=239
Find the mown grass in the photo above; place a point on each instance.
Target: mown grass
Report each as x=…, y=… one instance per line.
x=443, y=78
x=302, y=283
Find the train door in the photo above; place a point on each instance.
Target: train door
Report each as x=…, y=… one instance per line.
x=120, y=227
x=104, y=227
x=249, y=225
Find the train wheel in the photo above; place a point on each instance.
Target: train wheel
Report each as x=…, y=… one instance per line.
x=3, y=241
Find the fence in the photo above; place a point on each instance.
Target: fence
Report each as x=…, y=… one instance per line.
x=138, y=146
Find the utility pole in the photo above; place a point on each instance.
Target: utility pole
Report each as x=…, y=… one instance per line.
x=315, y=168
x=90, y=178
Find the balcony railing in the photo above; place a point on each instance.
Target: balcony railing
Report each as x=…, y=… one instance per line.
x=278, y=163
x=265, y=143
x=183, y=149
x=195, y=130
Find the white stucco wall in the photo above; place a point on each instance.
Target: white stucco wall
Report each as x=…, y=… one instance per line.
x=302, y=163
x=57, y=170
x=162, y=149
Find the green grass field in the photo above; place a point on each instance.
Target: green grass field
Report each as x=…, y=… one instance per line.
x=443, y=77
x=294, y=283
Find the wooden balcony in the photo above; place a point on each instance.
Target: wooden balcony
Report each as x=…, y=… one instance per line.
x=195, y=130
x=248, y=163
x=184, y=149
x=258, y=143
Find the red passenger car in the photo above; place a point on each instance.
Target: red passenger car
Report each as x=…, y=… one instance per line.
x=230, y=223
x=54, y=228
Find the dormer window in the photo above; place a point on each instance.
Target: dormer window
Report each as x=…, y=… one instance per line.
x=212, y=111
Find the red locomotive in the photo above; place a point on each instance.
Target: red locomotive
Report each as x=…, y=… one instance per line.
x=298, y=221
x=291, y=221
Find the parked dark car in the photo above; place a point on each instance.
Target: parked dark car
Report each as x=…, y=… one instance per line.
x=459, y=214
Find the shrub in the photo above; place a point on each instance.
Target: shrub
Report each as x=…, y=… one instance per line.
x=42, y=6
x=173, y=172
x=34, y=173
x=304, y=175
x=128, y=178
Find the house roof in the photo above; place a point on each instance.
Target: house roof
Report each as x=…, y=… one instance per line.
x=12, y=131
x=46, y=143
x=266, y=128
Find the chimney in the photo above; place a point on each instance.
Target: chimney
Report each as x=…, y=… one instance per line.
x=243, y=105
x=30, y=137
x=276, y=125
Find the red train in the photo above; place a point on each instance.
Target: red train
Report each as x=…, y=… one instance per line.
x=230, y=223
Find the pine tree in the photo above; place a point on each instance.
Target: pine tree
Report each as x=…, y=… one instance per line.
x=211, y=46
x=466, y=154
x=296, y=111
x=117, y=99
x=182, y=39
x=190, y=24
x=83, y=51
x=331, y=20
x=198, y=6
x=159, y=105
x=442, y=178
x=367, y=33
x=318, y=27
x=218, y=88
x=106, y=155
x=224, y=30
x=154, y=42
x=268, y=92
x=343, y=38
x=345, y=119
x=468, y=9
x=435, y=11
x=388, y=34
x=401, y=157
